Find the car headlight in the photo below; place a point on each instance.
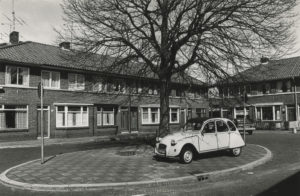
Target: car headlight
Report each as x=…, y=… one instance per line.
x=157, y=139
x=173, y=142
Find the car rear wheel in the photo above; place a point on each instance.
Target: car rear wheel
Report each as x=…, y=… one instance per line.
x=186, y=155
x=236, y=151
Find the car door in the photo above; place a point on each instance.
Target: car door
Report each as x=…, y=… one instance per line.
x=223, y=134
x=208, y=138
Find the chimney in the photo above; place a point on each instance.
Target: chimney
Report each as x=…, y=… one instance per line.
x=264, y=60
x=65, y=45
x=14, y=37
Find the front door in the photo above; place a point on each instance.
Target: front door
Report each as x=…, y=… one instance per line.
x=124, y=120
x=208, y=138
x=129, y=121
x=222, y=134
x=134, y=119
x=46, y=121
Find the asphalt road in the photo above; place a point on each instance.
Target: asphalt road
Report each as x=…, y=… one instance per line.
x=280, y=176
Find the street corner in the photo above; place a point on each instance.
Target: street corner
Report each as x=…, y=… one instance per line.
x=129, y=166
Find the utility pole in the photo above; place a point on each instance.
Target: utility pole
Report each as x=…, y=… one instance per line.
x=41, y=95
x=244, y=120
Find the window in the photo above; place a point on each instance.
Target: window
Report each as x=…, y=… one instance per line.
x=150, y=115
x=231, y=126
x=221, y=126
x=277, y=113
x=100, y=87
x=209, y=127
x=174, y=115
x=51, y=79
x=201, y=112
x=13, y=117
x=76, y=81
x=17, y=76
x=71, y=116
x=268, y=113
x=265, y=113
x=105, y=116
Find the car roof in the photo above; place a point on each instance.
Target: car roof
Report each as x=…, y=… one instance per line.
x=203, y=119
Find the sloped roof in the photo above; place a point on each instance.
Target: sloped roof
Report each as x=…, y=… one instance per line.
x=38, y=54
x=272, y=70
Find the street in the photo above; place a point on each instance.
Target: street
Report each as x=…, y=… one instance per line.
x=280, y=176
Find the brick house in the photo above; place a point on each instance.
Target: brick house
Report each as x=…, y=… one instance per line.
x=83, y=99
x=272, y=91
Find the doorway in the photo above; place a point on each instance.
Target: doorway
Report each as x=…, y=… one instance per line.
x=129, y=123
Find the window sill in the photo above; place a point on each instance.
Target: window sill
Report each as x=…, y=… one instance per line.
x=61, y=128
x=150, y=124
x=106, y=126
x=13, y=130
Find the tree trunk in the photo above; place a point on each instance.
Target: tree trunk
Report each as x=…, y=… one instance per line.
x=164, y=107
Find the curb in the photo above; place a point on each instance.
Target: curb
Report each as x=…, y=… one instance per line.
x=97, y=186
x=51, y=143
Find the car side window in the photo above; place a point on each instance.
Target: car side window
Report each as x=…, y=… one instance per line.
x=221, y=126
x=209, y=127
x=231, y=126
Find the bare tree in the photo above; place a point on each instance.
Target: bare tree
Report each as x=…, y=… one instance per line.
x=172, y=36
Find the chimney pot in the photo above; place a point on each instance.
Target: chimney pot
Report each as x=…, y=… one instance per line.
x=65, y=45
x=264, y=60
x=14, y=37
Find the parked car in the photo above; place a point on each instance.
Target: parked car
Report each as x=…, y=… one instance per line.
x=200, y=136
x=249, y=126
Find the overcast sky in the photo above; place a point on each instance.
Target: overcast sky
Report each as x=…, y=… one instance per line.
x=42, y=16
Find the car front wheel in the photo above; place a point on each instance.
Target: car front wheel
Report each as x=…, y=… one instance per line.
x=186, y=155
x=236, y=151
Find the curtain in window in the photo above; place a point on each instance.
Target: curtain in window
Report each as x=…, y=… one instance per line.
x=80, y=81
x=24, y=74
x=8, y=75
x=2, y=120
x=108, y=118
x=99, y=118
x=145, y=115
x=72, y=82
x=46, y=79
x=60, y=119
x=21, y=119
x=55, y=80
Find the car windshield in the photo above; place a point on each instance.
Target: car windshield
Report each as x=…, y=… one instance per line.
x=194, y=124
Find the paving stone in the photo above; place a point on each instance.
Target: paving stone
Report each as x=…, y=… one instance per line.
x=104, y=165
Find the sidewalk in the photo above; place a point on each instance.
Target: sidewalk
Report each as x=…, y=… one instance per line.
x=129, y=166
x=60, y=141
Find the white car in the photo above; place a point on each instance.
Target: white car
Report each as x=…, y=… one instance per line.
x=200, y=136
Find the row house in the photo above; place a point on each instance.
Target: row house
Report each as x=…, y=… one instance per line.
x=83, y=98
x=272, y=90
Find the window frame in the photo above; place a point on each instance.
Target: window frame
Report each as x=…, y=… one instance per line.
x=66, y=112
x=50, y=79
x=101, y=112
x=2, y=109
x=76, y=87
x=18, y=67
x=170, y=115
x=149, y=112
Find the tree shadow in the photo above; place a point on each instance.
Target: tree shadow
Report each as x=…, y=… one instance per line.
x=289, y=186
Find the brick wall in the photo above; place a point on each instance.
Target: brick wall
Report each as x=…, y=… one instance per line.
x=28, y=96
